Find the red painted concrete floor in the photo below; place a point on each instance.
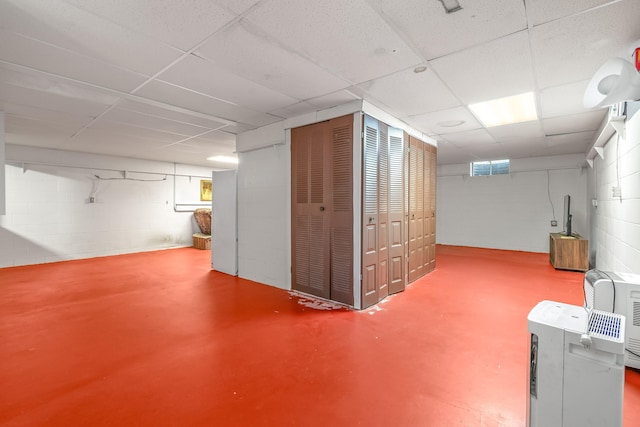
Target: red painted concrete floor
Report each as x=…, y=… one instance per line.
x=157, y=339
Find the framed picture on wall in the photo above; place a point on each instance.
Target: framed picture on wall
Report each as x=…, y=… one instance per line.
x=205, y=190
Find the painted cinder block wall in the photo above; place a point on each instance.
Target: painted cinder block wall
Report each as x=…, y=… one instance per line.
x=512, y=211
x=50, y=217
x=615, y=243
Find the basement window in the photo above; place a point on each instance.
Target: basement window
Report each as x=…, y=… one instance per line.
x=489, y=167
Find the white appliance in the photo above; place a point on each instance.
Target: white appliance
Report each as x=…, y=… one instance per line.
x=576, y=369
x=618, y=293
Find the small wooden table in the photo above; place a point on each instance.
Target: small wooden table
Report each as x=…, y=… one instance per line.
x=569, y=252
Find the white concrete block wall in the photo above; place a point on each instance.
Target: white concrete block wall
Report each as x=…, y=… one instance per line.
x=2, y=174
x=512, y=211
x=49, y=217
x=617, y=220
x=264, y=212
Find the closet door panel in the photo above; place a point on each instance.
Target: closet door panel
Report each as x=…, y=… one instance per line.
x=370, y=223
x=426, y=237
x=397, y=279
x=420, y=209
x=310, y=244
x=341, y=193
x=432, y=203
x=383, y=211
x=413, y=207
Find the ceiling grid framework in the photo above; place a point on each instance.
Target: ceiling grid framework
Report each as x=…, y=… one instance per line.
x=176, y=80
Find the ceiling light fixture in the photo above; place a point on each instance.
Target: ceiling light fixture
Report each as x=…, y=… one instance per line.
x=450, y=123
x=508, y=110
x=224, y=159
x=451, y=5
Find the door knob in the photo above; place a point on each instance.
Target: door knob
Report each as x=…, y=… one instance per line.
x=322, y=208
x=371, y=219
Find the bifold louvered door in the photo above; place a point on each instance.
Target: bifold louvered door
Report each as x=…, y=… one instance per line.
x=422, y=208
x=397, y=263
x=383, y=212
x=370, y=230
x=322, y=209
x=430, y=208
x=416, y=208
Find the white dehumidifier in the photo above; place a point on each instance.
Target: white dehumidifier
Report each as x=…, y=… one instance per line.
x=618, y=293
x=576, y=368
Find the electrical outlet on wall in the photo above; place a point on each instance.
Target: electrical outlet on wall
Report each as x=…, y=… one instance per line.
x=554, y=223
x=617, y=191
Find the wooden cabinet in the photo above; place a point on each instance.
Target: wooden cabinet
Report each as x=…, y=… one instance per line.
x=569, y=252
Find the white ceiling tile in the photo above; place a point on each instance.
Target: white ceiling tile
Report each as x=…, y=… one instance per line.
x=185, y=156
x=48, y=101
x=570, y=145
x=202, y=76
x=237, y=6
x=146, y=121
x=82, y=32
x=579, y=139
x=37, y=133
x=541, y=11
x=574, y=123
x=246, y=51
x=217, y=138
x=333, y=99
x=55, y=86
x=348, y=38
x=531, y=149
x=31, y=53
x=494, y=151
x=124, y=131
x=411, y=93
x=470, y=138
x=563, y=100
x=492, y=70
x=77, y=121
x=105, y=140
x=429, y=123
x=517, y=131
x=271, y=59
x=436, y=33
x=198, y=102
x=294, y=110
x=236, y=128
x=572, y=49
x=165, y=113
x=176, y=23
x=450, y=154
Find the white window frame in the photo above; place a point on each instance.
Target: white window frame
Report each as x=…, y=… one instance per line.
x=491, y=163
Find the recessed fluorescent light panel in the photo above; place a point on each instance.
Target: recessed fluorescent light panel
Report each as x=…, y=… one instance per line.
x=224, y=159
x=504, y=111
x=451, y=5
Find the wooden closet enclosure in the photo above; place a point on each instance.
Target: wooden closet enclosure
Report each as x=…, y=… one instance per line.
x=396, y=239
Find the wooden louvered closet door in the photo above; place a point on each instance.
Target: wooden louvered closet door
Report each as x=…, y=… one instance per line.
x=431, y=213
x=415, y=208
x=322, y=209
x=383, y=236
x=370, y=259
x=311, y=203
x=422, y=208
x=341, y=137
x=397, y=274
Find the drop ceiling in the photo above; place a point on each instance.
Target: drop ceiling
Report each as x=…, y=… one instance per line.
x=177, y=80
